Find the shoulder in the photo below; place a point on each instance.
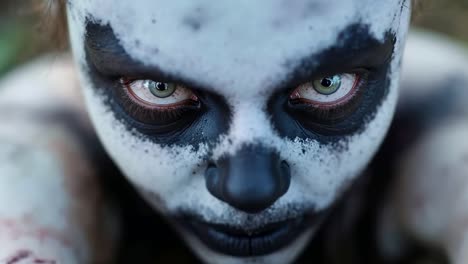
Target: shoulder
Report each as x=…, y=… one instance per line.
x=434, y=88
x=427, y=150
x=47, y=81
x=435, y=76
x=42, y=99
x=41, y=111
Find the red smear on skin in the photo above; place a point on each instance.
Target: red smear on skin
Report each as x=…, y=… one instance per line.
x=44, y=261
x=25, y=255
x=18, y=256
x=26, y=227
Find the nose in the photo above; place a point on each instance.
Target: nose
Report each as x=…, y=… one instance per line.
x=251, y=180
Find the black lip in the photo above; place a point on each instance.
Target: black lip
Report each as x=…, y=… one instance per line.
x=248, y=242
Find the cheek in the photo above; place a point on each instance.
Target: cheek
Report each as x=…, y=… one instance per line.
x=159, y=171
x=322, y=172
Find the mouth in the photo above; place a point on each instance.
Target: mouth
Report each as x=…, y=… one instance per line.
x=241, y=242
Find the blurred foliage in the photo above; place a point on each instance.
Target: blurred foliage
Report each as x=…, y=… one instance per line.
x=21, y=35
x=449, y=17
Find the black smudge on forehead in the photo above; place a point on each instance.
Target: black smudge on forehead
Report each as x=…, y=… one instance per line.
x=195, y=19
x=296, y=11
x=356, y=50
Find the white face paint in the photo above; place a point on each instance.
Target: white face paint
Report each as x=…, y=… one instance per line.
x=241, y=50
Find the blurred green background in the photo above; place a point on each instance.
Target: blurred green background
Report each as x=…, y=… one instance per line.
x=18, y=39
x=23, y=34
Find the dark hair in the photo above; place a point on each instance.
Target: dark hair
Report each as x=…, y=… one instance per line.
x=53, y=20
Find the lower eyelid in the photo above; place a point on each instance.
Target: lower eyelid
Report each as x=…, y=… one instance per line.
x=155, y=117
x=160, y=116
x=327, y=105
x=158, y=107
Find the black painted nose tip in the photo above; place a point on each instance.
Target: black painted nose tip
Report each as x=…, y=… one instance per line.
x=251, y=180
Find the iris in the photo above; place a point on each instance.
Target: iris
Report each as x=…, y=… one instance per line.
x=328, y=85
x=160, y=89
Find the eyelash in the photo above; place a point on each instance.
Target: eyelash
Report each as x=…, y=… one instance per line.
x=153, y=114
x=166, y=116
x=337, y=112
x=162, y=116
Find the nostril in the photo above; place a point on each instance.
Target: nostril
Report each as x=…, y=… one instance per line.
x=285, y=177
x=211, y=166
x=211, y=171
x=285, y=168
x=212, y=179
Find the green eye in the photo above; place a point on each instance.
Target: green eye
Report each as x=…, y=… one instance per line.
x=328, y=85
x=160, y=89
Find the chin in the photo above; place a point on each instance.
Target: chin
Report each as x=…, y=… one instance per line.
x=287, y=254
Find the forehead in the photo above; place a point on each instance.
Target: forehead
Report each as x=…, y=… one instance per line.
x=234, y=44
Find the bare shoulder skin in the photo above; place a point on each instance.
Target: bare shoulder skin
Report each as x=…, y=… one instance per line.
x=51, y=206
x=427, y=203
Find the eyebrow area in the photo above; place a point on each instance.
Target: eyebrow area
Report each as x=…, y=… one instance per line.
x=355, y=48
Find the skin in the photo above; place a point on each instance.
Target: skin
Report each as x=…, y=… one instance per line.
x=46, y=217
x=51, y=206
x=205, y=45
x=54, y=214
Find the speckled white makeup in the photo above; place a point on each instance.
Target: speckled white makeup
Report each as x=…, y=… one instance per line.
x=240, y=50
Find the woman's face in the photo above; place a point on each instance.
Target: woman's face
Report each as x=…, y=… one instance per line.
x=241, y=121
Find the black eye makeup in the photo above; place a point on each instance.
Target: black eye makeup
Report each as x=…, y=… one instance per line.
x=154, y=102
x=329, y=99
x=157, y=106
x=337, y=91
x=325, y=95
x=329, y=106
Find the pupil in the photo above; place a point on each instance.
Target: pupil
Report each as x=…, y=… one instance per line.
x=161, y=86
x=326, y=82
